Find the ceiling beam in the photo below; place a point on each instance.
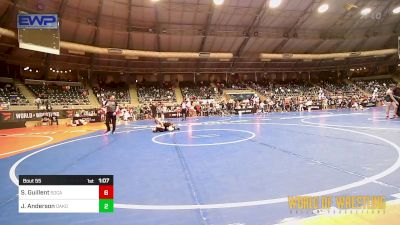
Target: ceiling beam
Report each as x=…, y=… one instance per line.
x=349, y=15
x=96, y=31
x=5, y=18
x=393, y=38
x=207, y=26
x=300, y=21
x=254, y=23
x=371, y=30
x=391, y=42
x=238, y=31
x=96, y=23
x=312, y=48
x=358, y=21
x=158, y=32
x=215, y=30
x=128, y=43
x=7, y=15
x=345, y=16
x=158, y=27
x=206, y=29
x=61, y=8
x=396, y=28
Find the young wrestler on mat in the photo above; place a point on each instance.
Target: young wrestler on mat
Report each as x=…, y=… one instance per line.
x=162, y=126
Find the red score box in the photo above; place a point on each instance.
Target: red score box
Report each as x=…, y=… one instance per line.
x=106, y=192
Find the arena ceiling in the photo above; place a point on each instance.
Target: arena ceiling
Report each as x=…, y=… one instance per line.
x=245, y=28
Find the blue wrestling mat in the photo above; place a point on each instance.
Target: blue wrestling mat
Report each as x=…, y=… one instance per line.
x=219, y=170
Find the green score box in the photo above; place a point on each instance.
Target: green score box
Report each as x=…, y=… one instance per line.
x=106, y=205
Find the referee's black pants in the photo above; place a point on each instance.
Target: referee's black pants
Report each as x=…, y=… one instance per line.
x=110, y=118
x=184, y=114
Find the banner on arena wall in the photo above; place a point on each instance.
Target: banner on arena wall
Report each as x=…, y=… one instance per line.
x=246, y=111
x=369, y=104
x=171, y=115
x=315, y=107
x=7, y=116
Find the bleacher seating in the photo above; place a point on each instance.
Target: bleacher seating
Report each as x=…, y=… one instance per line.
x=120, y=91
x=235, y=85
x=341, y=88
x=290, y=89
x=10, y=95
x=61, y=95
x=278, y=91
x=202, y=90
x=148, y=92
x=241, y=97
x=380, y=86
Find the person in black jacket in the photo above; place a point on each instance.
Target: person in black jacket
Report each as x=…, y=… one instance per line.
x=391, y=101
x=396, y=95
x=111, y=113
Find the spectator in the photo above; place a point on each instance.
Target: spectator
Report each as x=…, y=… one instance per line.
x=38, y=102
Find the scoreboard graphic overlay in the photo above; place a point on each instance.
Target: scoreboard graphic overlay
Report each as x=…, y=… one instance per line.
x=66, y=194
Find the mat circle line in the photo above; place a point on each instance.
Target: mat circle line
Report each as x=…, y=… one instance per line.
x=252, y=135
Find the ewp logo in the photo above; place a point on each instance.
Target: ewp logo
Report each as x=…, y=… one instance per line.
x=37, y=21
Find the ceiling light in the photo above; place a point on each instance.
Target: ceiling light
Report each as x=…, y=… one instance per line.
x=30, y=70
x=274, y=3
x=323, y=8
x=26, y=68
x=218, y=2
x=155, y=0
x=396, y=10
x=366, y=11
